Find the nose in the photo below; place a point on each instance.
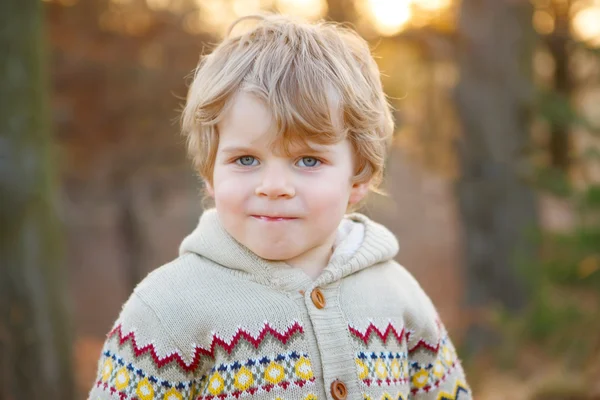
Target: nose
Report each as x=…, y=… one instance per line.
x=275, y=183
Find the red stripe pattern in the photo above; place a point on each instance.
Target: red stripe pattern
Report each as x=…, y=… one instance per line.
x=393, y=332
x=242, y=334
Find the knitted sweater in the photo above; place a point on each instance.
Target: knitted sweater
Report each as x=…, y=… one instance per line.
x=221, y=323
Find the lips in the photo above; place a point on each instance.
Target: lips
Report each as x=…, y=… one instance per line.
x=270, y=218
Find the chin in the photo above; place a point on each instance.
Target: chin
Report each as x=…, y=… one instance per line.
x=273, y=254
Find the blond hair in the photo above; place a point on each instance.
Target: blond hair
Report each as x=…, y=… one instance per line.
x=319, y=80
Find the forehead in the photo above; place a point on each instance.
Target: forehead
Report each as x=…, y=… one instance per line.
x=247, y=121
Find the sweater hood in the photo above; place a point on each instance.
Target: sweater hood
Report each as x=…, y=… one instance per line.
x=360, y=243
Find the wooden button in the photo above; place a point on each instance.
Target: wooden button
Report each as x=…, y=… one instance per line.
x=339, y=390
x=318, y=298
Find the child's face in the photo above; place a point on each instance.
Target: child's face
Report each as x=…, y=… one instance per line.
x=280, y=207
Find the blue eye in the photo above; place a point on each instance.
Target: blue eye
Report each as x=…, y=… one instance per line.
x=309, y=162
x=246, y=161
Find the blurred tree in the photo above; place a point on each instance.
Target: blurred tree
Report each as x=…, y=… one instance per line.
x=494, y=101
x=558, y=45
x=35, y=334
x=106, y=58
x=565, y=37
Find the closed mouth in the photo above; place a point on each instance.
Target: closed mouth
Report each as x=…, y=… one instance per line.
x=273, y=218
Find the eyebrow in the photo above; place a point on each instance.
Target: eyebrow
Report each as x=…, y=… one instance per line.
x=237, y=149
x=318, y=149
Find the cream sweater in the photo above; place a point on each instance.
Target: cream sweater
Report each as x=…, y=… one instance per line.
x=221, y=323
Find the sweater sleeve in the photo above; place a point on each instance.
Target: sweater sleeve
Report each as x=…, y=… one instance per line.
x=435, y=371
x=140, y=360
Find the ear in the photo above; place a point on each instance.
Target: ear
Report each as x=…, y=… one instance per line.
x=209, y=188
x=358, y=192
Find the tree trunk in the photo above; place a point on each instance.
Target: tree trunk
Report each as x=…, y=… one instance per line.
x=494, y=98
x=35, y=335
x=558, y=45
x=130, y=230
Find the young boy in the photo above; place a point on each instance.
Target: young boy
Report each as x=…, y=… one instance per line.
x=278, y=294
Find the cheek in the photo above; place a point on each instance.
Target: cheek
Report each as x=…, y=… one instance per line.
x=330, y=192
x=229, y=190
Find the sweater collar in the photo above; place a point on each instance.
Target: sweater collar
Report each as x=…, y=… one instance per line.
x=360, y=243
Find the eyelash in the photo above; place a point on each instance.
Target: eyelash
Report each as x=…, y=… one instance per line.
x=318, y=161
x=237, y=161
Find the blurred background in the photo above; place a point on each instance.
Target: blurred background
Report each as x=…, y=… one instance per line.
x=493, y=179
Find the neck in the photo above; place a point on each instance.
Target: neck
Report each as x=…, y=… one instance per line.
x=314, y=261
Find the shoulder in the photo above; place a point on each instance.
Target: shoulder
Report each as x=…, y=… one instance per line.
x=183, y=279
x=175, y=272
x=393, y=276
x=390, y=290
x=153, y=330
x=166, y=289
x=192, y=297
x=175, y=295
x=171, y=307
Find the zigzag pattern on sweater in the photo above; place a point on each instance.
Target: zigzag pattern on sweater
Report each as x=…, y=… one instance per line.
x=124, y=379
x=263, y=375
x=424, y=381
x=459, y=388
x=227, y=345
x=382, y=368
x=399, y=335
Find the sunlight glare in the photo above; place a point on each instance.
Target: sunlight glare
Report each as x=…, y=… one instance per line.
x=211, y=16
x=586, y=26
x=390, y=15
x=245, y=7
x=432, y=5
x=309, y=9
x=543, y=22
